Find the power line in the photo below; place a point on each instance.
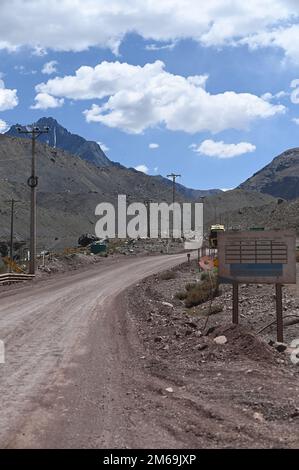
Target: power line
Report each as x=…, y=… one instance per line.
x=173, y=176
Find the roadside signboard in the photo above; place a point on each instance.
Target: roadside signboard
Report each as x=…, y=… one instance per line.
x=257, y=257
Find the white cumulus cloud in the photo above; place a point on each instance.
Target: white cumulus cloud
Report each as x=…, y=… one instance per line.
x=136, y=98
x=50, y=67
x=219, y=149
x=104, y=147
x=142, y=168
x=153, y=146
x=8, y=98
x=45, y=101
x=3, y=126
x=76, y=25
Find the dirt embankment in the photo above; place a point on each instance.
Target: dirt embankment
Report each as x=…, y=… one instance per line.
x=242, y=393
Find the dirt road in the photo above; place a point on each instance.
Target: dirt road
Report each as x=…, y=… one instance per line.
x=68, y=359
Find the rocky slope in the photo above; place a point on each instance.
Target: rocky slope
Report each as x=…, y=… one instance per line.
x=61, y=138
x=280, y=178
x=70, y=188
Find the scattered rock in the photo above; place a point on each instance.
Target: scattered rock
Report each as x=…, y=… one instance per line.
x=158, y=339
x=202, y=347
x=220, y=340
x=280, y=347
x=167, y=304
x=258, y=417
x=192, y=324
x=169, y=390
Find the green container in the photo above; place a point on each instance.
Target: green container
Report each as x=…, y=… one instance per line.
x=97, y=248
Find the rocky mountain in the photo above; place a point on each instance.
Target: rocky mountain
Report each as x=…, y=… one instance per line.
x=61, y=138
x=280, y=178
x=193, y=194
x=70, y=189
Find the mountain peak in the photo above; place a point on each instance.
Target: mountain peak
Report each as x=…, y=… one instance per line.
x=60, y=137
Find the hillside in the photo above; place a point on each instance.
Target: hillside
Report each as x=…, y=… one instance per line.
x=68, y=192
x=70, y=188
x=276, y=214
x=280, y=178
x=61, y=138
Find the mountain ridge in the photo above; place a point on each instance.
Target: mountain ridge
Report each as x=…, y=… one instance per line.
x=280, y=178
x=60, y=137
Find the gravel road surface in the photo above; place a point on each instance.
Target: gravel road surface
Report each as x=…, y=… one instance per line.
x=68, y=360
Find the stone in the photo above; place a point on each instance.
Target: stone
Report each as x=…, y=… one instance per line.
x=167, y=304
x=220, y=340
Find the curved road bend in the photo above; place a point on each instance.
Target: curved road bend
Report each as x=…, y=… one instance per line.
x=66, y=352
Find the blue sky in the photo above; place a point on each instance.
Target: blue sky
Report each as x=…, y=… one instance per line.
x=138, y=82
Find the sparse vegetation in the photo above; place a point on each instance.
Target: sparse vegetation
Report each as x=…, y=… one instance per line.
x=190, y=286
x=167, y=275
x=201, y=292
x=181, y=295
x=207, y=311
x=204, y=276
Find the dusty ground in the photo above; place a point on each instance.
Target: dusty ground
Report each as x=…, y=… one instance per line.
x=89, y=366
x=240, y=394
x=62, y=339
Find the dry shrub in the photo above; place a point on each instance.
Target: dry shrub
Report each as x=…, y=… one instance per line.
x=201, y=292
x=181, y=295
x=167, y=275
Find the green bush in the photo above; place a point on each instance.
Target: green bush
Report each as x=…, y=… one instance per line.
x=181, y=295
x=204, y=276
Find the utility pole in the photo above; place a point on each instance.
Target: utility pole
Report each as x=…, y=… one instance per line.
x=12, y=202
x=147, y=203
x=32, y=182
x=173, y=177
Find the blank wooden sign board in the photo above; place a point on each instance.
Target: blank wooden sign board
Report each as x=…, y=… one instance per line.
x=265, y=257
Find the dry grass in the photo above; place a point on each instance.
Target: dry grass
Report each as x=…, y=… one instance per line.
x=197, y=293
x=181, y=295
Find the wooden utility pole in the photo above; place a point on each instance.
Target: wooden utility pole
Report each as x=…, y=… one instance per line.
x=173, y=177
x=279, y=314
x=147, y=203
x=32, y=182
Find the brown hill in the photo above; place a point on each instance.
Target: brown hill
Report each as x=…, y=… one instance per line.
x=280, y=178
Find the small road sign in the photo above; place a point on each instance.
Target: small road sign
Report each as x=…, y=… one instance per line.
x=261, y=257
x=258, y=257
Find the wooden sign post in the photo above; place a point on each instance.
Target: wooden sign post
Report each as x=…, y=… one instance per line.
x=265, y=257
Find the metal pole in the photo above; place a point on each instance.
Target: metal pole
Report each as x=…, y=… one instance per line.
x=235, y=303
x=279, y=317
